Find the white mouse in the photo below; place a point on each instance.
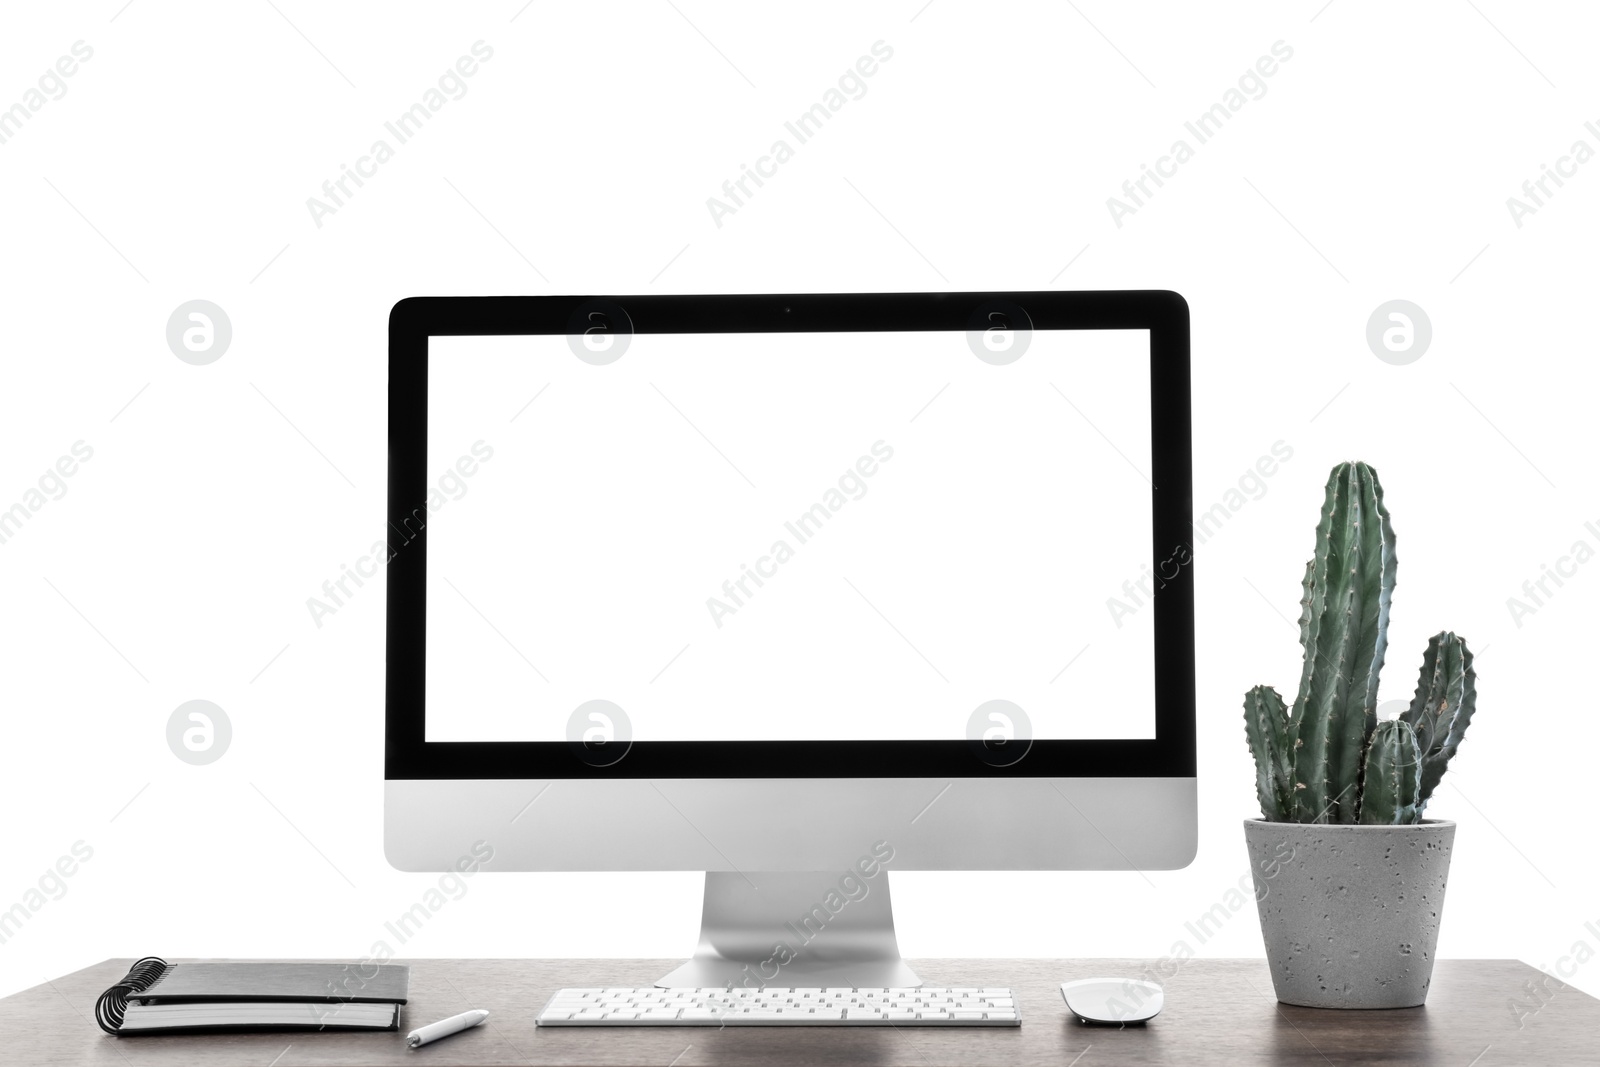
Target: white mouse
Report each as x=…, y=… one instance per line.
x=1113, y=1001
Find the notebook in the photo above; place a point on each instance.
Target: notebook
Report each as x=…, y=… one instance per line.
x=160, y=997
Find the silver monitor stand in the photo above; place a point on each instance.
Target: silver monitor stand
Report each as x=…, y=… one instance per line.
x=766, y=928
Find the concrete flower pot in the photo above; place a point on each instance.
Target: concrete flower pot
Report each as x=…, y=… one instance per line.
x=1350, y=914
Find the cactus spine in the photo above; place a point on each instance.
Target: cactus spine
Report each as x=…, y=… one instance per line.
x=1328, y=758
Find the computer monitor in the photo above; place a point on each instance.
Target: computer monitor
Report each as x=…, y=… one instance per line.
x=793, y=590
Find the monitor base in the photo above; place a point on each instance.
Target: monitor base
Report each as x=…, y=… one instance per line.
x=790, y=928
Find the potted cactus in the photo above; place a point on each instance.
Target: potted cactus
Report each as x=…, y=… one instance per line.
x=1351, y=917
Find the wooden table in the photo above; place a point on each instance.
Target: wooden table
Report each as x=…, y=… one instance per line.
x=1218, y=1012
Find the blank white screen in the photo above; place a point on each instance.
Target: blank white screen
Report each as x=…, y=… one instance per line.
x=606, y=506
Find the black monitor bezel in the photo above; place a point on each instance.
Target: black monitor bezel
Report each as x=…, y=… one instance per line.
x=408, y=756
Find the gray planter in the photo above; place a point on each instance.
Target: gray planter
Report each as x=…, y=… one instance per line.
x=1350, y=914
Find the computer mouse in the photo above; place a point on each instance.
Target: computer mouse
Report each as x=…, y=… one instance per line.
x=1113, y=1001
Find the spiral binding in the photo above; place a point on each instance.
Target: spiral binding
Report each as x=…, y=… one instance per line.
x=113, y=1003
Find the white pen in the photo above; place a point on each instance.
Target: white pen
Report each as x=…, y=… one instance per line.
x=445, y=1027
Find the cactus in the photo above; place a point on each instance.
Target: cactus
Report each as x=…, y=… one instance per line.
x=1447, y=693
x=1391, y=780
x=1344, y=628
x=1266, y=728
x=1316, y=761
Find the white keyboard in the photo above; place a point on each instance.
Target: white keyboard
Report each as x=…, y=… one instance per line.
x=927, y=1006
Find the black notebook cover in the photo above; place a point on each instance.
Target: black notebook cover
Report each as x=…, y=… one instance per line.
x=154, y=980
x=358, y=983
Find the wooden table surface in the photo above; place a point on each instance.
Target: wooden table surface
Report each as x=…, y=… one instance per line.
x=1217, y=1012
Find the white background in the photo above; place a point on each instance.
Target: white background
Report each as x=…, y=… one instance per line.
x=177, y=166
x=1004, y=506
